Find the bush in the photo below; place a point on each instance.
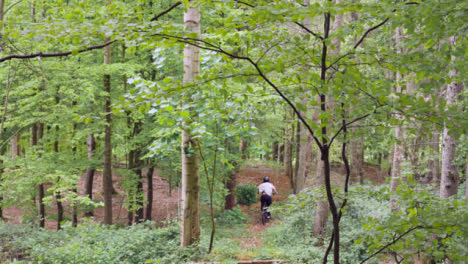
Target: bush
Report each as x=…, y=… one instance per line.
x=93, y=243
x=246, y=194
x=232, y=217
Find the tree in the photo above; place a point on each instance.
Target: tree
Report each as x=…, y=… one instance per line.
x=190, y=217
x=449, y=178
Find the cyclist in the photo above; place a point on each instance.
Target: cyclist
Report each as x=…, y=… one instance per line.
x=266, y=190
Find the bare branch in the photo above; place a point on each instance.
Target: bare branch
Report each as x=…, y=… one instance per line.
x=58, y=54
x=369, y=31
x=212, y=47
x=309, y=31
x=392, y=242
x=156, y=17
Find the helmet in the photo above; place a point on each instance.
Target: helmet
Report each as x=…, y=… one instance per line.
x=266, y=179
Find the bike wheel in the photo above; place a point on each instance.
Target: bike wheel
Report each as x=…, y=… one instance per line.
x=264, y=218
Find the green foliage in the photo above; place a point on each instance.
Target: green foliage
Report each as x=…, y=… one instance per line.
x=91, y=243
x=231, y=217
x=246, y=193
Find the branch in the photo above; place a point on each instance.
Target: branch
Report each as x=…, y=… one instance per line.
x=209, y=46
x=391, y=243
x=369, y=31
x=58, y=54
x=347, y=124
x=309, y=31
x=156, y=17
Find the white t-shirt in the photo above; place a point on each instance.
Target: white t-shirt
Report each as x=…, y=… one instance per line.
x=267, y=188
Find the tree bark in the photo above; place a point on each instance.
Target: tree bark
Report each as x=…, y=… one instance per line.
x=14, y=148
x=91, y=146
x=230, y=186
x=190, y=200
x=357, y=159
x=149, y=193
x=288, y=139
x=298, y=152
x=58, y=196
x=449, y=178
x=107, y=174
x=466, y=181
x=274, y=150
x=398, y=148
x=138, y=166
x=434, y=162
x=35, y=136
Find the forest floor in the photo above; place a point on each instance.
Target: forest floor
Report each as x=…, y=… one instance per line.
x=165, y=202
x=254, y=173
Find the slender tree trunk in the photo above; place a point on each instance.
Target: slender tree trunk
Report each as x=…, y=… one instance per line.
x=434, y=162
x=243, y=148
x=274, y=150
x=230, y=186
x=321, y=214
x=357, y=159
x=398, y=148
x=449, y=178
x=190, y=200
x=107, y=174
x=139, y=190
x=298, y=152
x=288, y=139
x=75, y=190
x=149, y=193
x=91, y=146
x=466, y=181
x=58, y=196
x=3, y=150
x=36, y=134
x=14, y=149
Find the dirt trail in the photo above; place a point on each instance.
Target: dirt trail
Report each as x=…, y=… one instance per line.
x=255, y=174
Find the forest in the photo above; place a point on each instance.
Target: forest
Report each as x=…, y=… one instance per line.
x=142, y=131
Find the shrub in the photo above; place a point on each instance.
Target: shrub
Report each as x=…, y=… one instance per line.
x=231, y=217
x=246, y=194
x=92, y=243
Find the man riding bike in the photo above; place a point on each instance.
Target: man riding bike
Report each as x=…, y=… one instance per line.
x=266, y=189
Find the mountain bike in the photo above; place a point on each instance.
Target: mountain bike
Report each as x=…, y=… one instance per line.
x=266, y=216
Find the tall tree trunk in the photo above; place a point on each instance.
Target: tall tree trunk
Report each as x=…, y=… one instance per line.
x=190, y=200
x=304, y=159
x=323, y=165
x=304, y=139
x=243, y=144
x=274, y=150
x=58, y=196
x=357, y=159
x=138, y=165
x=398, y=148
x=130, y=194
x=40, y=188
x=466, y=181
x=434, y=162
x=149, y=193
x=230, y=186
x=3, y=150
x=75, y=190
x=288, y=139
x=449, y=178
x=321, y=214
x=14, y=148
x=91, y=146
x=298, y=152
x=107, y=174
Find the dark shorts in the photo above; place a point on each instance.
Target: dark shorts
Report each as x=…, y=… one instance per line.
x=266, y=201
